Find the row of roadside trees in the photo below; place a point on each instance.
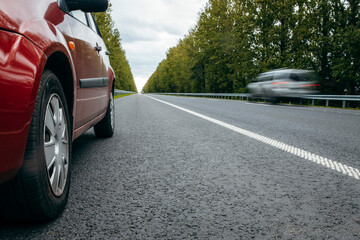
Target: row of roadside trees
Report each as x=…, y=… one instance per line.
x=235, y=40
x=124, y=79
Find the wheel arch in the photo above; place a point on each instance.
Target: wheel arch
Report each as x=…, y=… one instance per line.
x=59, y=64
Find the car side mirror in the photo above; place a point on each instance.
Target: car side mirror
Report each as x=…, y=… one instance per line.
x=88, y=5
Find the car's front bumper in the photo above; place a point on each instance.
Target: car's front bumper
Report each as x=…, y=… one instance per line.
x=21, y=64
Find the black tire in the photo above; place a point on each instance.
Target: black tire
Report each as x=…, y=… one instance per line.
x=29, y=196
x=105, y=128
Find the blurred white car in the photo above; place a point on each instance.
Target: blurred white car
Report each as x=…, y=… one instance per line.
x=284, y=83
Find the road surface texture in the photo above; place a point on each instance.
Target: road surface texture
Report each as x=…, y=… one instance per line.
x=234, y=170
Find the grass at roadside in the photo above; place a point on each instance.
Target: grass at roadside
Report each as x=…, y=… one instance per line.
x=123, y=95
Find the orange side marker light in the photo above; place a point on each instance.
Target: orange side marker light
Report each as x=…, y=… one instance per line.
x=71, y=45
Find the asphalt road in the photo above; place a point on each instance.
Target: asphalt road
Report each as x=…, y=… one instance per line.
x=234, y=170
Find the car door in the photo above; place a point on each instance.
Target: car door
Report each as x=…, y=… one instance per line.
x=104, y=54
x=91, y=70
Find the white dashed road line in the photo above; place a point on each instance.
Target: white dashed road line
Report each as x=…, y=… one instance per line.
x=328, y=163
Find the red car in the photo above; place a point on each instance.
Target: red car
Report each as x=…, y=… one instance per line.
x=56, y=82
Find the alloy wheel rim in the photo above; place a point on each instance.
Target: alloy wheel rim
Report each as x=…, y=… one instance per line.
x=56, y=145
x=112, y=112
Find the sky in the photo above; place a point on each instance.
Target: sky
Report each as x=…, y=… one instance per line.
x=149, y=28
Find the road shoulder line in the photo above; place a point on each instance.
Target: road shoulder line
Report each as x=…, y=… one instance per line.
x=328, y=163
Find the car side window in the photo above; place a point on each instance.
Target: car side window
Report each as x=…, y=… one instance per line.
x=268, y=78
x=80, y=15
x=92, y=23
x=264, y=77
x=281, y=75
x=294, y=77
x=260, y=79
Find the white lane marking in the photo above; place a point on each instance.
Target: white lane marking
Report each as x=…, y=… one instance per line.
x=328, y=163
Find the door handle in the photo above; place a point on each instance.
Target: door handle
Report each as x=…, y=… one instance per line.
x=98, y=48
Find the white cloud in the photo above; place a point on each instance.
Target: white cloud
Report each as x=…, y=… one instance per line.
x=149, y=28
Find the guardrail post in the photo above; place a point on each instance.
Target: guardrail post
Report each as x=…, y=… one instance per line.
x=327, y=103
x=313, y=102
x=344, y=104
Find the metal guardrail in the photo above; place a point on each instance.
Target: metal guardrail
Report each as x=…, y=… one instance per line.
x=242, y=96
x=121, y=92
x=327, y=98
x=245, y=96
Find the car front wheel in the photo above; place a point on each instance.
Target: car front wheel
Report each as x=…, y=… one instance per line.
x=40, y=190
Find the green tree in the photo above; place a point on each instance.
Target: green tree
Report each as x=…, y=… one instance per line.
x=124, y=79
x=235, y=40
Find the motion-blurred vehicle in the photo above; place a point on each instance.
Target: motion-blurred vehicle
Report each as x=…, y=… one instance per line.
x=284, y=83
x=56, y=82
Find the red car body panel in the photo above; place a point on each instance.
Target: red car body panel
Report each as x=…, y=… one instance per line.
x=19, y=72
x=30, y=33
